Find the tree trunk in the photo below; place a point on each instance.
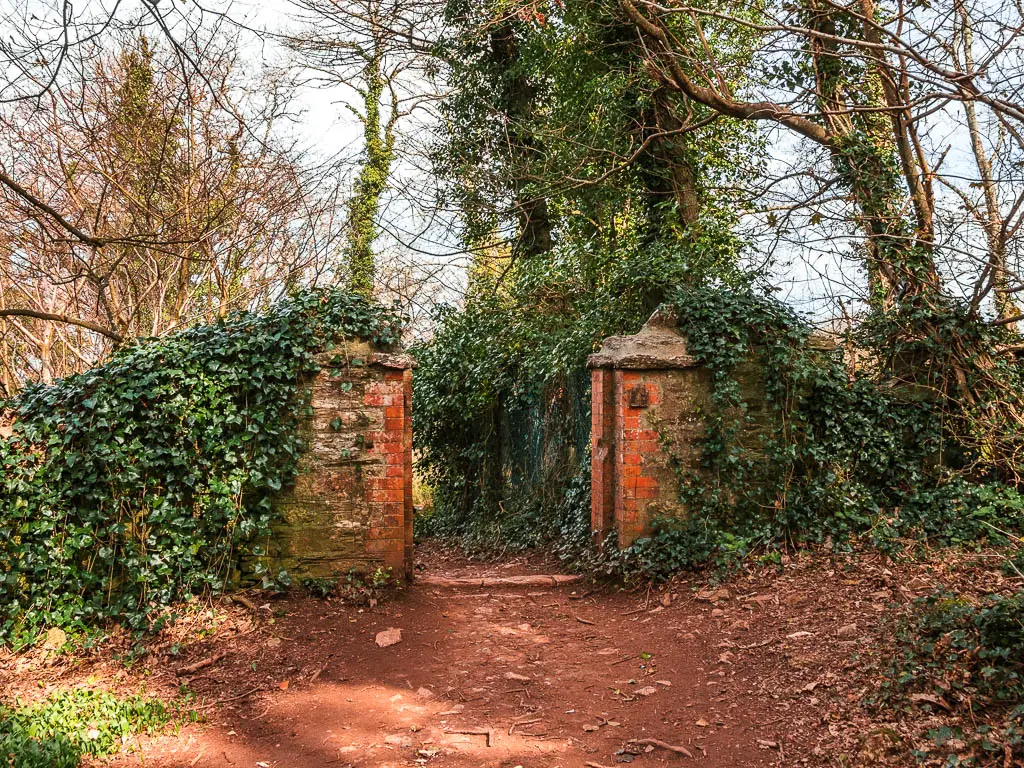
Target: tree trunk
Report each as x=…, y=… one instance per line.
x=531, y=208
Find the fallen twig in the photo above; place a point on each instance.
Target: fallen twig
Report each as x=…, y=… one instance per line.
x=769, y=641
x=318, y=673
x=622, y=661
x=663, y=745
x=243, y=600
x=225, y=700
x=584, y=621
x=209, y=661
x=500, y=581
x=517, y=723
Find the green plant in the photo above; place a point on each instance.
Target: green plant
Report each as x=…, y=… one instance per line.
x=320, y=587
x=381, y=577
x=963, y=661
x=502, y=395
x=355, y=587
x=143, y=481
x=60, y=730
x=798, y=448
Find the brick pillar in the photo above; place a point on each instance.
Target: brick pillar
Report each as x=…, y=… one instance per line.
x=407, y=476
x=602, y=449
x=389, y=497
x=644, y=393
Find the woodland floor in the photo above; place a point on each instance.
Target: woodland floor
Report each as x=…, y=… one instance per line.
x=768, y=668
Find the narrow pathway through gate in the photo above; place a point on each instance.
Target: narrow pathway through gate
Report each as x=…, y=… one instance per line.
x=511, y=676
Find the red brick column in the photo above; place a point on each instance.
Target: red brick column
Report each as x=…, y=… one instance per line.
x=389, y=496
x=407, y=420
x=633, y=395
x=648, y=392
x=602, y=452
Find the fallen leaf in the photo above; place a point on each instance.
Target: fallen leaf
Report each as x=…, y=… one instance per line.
x=283, y=685
x=55, y=639
x=702, y=723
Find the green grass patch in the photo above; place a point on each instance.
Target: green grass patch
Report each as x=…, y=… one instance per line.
x=59, y=731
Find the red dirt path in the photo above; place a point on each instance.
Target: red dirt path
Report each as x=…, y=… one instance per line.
x=459, y=667
x=770, y=668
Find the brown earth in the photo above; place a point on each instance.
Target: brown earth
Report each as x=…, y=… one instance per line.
x=768, y=668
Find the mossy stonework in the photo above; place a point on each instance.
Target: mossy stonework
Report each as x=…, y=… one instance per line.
x=350, y=506
x=649, y=398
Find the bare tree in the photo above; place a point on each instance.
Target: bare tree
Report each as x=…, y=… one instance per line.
x=897, y=95
x=194, y=208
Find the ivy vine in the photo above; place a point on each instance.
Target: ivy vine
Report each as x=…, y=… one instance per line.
x=834, y=453
x=141, y=482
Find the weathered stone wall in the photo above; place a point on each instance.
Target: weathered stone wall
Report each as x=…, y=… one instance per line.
x=351, y=503
x=648, y=400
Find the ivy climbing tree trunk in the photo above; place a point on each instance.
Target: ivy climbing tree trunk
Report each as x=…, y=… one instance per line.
x=379, y=153
x=872, y=154
x=519, y=97
x=862, y=120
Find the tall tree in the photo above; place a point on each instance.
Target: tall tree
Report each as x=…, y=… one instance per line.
x=377, y=49
x=198, y=213
x=553, y=132
x=866, y=81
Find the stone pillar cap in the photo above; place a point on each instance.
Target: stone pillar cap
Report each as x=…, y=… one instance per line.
x=400, y=360
x=658, y=346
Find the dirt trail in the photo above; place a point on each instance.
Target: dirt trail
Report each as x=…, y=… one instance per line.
x=773, y=667
x=557, y=676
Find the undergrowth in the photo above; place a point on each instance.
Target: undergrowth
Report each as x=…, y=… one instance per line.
x=141, y=482
x=354, y=588
x=829, y=453
x=962, y=661
x=59, y=731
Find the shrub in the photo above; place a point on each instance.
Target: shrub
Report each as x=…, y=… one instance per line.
x=59, y=731
x=140, y=482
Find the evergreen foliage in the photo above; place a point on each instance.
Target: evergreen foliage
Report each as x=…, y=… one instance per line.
x=967, y=659
x=140, y=482
x=62, y=729
x=839, y=454
x=501, y=393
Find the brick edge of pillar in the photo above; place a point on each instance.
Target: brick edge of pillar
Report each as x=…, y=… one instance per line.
x=621, y=391
x=390, y=538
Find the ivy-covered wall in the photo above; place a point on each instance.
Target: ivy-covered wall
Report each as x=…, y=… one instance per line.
x=650, y=401
x=649, y=397
x=156, y=476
